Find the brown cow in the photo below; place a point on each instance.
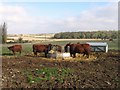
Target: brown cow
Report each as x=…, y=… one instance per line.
x=78, y=48
x=57, y=48
x=41, y=48
x=15, y=48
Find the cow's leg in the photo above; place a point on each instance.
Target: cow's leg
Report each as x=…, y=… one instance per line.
x=20, y=52
x=74, y=55
x=71, y=54
x=13, y=52
x=87, y=54
x=45, y=54
x=83, y=54
x=35, y=53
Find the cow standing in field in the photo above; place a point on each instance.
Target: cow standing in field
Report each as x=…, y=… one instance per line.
x=78, y=48
x=57, y=48
x=15, y=48
x=38, y=48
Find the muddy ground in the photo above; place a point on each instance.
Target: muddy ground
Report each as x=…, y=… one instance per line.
x=99, y=72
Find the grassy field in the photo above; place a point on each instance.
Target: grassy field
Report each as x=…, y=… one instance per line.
x=27, y=47
x=28, y=71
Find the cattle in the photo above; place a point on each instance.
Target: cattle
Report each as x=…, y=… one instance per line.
x=57, y=48
x=38, y=48
x=78, y=48
x=15, y=48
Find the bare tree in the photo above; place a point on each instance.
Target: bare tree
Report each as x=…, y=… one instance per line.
x=3, y=33
x=0, y=33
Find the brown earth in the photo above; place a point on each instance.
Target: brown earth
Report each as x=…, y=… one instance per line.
x=100, y=72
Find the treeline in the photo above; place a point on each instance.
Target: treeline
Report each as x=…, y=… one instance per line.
x=87, y=35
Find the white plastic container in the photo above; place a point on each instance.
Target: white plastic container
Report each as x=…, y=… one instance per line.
x=59, y=55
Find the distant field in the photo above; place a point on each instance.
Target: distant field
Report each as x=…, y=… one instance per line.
x=31, y=37
x=27, y=47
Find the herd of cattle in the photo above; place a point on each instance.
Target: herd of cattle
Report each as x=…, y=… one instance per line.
x=71, y=48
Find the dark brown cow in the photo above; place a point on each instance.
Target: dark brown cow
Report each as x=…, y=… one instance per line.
x=78, y=48
x=15, y=48
x=38, y=48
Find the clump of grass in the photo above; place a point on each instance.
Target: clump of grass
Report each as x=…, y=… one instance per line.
x=48, y=74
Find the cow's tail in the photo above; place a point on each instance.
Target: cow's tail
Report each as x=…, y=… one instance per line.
x=87, y=52
x=34, y=50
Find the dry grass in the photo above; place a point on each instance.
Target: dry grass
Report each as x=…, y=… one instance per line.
x=42, y=38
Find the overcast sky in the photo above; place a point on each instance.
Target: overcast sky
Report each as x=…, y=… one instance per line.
x=53, y=17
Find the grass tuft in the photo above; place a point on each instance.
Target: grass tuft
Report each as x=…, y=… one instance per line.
x=51, y=74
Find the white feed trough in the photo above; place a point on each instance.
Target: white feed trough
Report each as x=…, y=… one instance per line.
x=98, y=46
x=59, y=55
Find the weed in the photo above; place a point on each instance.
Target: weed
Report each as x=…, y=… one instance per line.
x=44, y=74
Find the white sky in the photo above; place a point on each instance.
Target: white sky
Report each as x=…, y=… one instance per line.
x=51, y=17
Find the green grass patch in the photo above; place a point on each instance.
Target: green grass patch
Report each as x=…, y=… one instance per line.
x=113, y=45
x=51, y=74
x=27, y=47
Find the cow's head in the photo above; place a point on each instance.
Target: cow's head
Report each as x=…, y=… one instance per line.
x=49, y=47
x=10, y=48
x=66, y=48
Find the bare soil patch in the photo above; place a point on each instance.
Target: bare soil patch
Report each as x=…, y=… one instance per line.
x=100, y=71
